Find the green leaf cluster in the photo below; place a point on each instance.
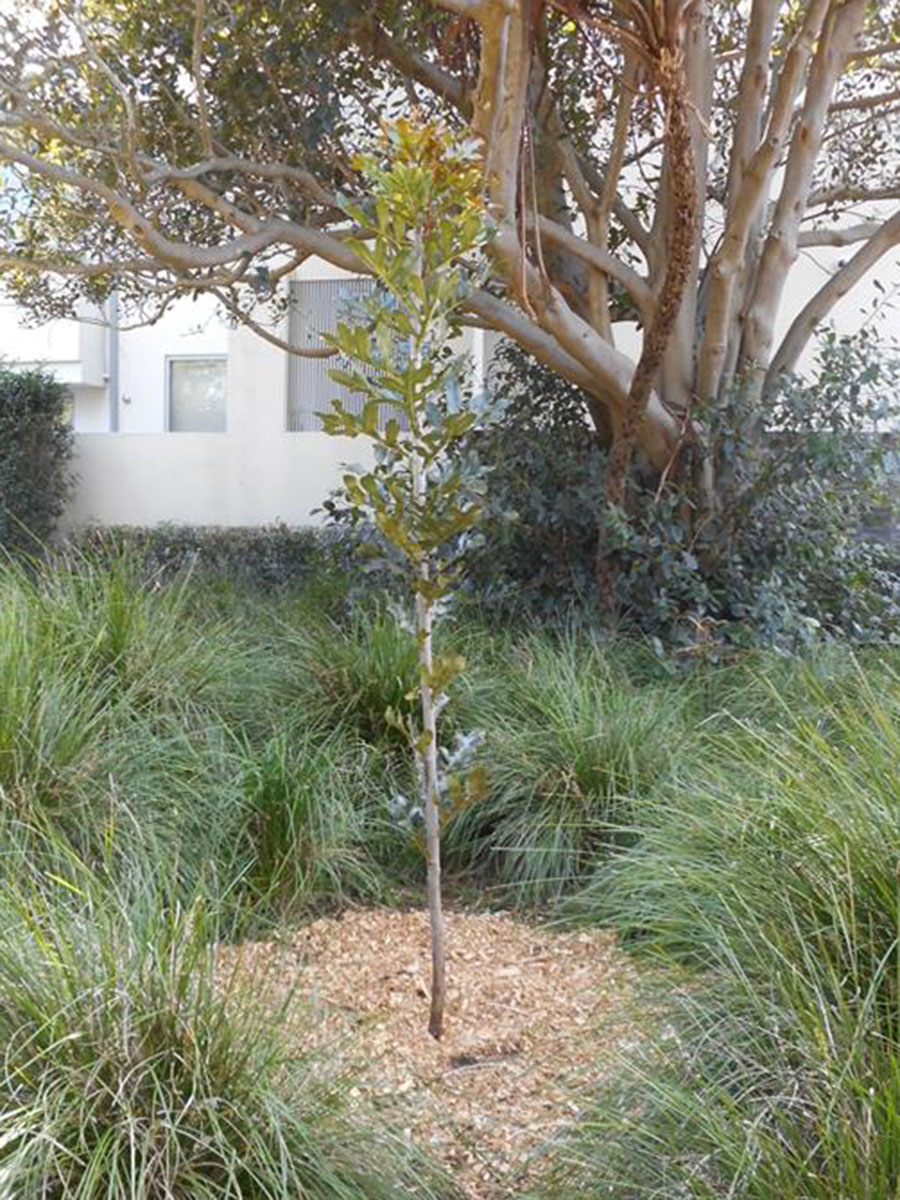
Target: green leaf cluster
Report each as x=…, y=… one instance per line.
x=421, y=238
x=35, y=457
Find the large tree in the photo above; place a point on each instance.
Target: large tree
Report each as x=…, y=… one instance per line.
x=654, y=161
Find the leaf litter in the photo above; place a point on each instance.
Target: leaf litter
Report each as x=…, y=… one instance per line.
x=533, y=1019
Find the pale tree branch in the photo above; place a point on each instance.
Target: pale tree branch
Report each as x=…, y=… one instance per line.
x=601, y=261
x=206, y=139
x=843, y=194
x=182, y=255
x=493, y=313
x=629, y=221
x=848, y=236
x=373, y=38
x=192, y=189
x=464, y=8
x=748, y=189
x=23, y=118
x=752, y=92
x=879, y=50
x=599, y=223
x=267, y=335
x=859, y=103
x=661, y=431
x=82, y=270
x=305, y=181
x=500, y=112
x=598, y=298
x=132, y=127
x=837, y=40
x=820, y=305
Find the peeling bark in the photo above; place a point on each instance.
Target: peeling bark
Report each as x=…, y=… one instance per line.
x=679, y=258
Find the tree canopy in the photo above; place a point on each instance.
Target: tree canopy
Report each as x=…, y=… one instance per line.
x=178, y=146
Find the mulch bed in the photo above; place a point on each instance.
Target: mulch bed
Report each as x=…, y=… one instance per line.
x=533, y=1018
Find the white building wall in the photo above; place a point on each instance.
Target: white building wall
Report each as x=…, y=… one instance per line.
x=254, y=473
x=190, y=327
x=204, y=478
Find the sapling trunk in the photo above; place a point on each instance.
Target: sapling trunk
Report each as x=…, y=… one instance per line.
x=429, y=777
x=427, y=751
x=427, y=228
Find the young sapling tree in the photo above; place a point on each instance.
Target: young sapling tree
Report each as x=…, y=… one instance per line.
x=421, y=242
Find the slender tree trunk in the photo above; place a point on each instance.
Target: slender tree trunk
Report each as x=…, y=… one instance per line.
x=428, y=774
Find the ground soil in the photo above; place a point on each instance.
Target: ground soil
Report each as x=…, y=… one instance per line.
x=534, y=1019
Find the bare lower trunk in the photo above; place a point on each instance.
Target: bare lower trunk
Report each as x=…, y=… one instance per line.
x=429, y=762
x=427, y=752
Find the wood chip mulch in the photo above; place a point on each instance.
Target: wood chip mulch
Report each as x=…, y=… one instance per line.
x=533, y=1018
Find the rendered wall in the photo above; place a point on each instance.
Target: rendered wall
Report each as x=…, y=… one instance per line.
x=254, y=473
x=204, y=478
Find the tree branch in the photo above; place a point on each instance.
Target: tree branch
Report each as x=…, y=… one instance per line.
x=836, y=42
x=752, y=93
x=599, y=224
x=865, y=102
x=307, y=183
x=819, y=305
x=374, y=40
x=463, y=8
x=206, y=141
x=661, y=429
x=601, y=260
x=841, y=194
x=244, y=317
x=748, y=186
x=847, y=236
x=182, y=255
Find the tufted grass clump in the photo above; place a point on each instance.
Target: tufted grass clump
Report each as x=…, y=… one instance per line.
x=570, y=746
x=765, y=883
x=132, y=1067
x=310, y=822
x=354, y=672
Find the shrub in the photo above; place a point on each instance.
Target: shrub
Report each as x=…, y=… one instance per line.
x=110, y=719
x=269, y=556
x=545, y=490
x=131, y=1067
x=769, y=876
x=781, y=563
x=35, y=455
x=357, y=671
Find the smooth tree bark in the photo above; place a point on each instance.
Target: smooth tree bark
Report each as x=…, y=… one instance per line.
x=201, y=146
x=429, y=777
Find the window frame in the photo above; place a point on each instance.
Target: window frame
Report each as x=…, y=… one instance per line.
x=170, y=361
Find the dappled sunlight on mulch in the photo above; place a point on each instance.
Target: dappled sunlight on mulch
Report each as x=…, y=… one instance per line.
x=533, y=1016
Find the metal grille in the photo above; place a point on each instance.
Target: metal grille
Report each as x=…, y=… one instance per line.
x=315, y=308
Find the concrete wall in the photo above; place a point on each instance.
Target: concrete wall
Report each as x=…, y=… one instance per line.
x=74, y=350
x=254, y=473
x=204, y=478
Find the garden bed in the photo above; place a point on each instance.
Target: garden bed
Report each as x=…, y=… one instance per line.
x=532, y=1016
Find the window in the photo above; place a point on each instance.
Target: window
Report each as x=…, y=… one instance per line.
x=315, y=308
x=196, y=395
